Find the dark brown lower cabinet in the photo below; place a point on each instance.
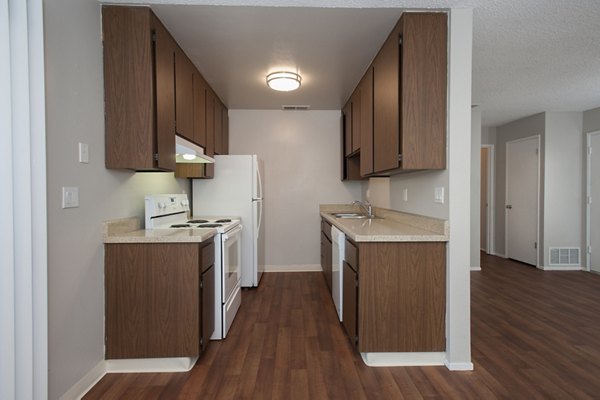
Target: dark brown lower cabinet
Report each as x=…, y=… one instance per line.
x=159, y=299
x=396, y=293
x=326, y=253
x=350, y=309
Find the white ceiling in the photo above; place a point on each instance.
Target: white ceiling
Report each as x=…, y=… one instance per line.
x=528, y=56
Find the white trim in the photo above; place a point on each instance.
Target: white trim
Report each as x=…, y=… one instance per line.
x=403, y=359
x=79, y=389
x=458, y=289
x=24, y=259
x=588, y=206
x=561, y=268
x=491, y=221
x=458, y=366
x=537, y=211
x=133, y=365
x=475, y=269
x=293, y=268
x=500, y=255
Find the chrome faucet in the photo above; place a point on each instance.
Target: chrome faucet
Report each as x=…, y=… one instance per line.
x=366, y=206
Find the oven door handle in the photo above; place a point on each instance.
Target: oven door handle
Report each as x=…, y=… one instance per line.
x=232, y=233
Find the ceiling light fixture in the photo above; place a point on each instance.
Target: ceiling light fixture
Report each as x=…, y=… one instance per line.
x=284, y=81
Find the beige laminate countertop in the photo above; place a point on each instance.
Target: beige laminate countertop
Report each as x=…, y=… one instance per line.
x=128, y=230
x=390, y=226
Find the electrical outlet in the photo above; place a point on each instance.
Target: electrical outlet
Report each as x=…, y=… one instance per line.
x=70, y=197
x=438, y=195
x=405, y=194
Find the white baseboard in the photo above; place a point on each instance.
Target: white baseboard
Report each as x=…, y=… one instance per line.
x=464, y=366
x=499, y=255
x=79, y=389
x=293, y=268
x=475, y=268
x=561, y=268
x=173, y=364
x=403, y=359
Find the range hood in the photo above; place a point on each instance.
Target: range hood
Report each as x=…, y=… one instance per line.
x=190, y=153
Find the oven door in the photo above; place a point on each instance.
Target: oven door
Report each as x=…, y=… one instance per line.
x=231, y=242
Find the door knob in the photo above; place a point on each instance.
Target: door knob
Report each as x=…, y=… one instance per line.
x=509, y=206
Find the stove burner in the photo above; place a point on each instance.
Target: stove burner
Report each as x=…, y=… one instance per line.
x=209, y=225
x=223, y=220
x=180, y=226
x=197, y=221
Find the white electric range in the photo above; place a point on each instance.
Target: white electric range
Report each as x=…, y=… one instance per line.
x=171, y=211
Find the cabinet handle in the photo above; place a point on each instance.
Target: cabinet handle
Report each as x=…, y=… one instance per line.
x=509, y=206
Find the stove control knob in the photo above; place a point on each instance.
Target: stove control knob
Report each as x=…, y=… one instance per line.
x=161, y=205
x=185, y=203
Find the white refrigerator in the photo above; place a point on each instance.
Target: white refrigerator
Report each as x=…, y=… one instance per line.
x=237, y=190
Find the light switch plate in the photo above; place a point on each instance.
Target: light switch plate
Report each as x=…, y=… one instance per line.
x=438, y=195
x=70, y=197
x=405, y=194
x=84, y=153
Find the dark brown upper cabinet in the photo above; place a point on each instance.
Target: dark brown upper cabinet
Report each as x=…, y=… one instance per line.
x=139, y=90
x=409, y=94
x=199, y=109
x=184, y=95
x=152, y=92
x=366, y=123
x=218, y=118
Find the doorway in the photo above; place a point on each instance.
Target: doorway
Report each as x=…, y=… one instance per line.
x=487, y=199
x=522, y=199
x=593, y=202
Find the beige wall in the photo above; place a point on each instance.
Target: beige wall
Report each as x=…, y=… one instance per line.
x=301, y=155
x=591, y=120
x=74, y=113
x=563, y=182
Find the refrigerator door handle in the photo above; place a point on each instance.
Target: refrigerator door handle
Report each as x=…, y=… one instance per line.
x=259, y=193
x=259, y=218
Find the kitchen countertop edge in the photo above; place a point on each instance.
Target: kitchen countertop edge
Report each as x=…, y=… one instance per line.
x=391, y=226
x=128, y=230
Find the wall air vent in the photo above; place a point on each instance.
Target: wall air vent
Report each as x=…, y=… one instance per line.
x=564, y=256
x=295, y=108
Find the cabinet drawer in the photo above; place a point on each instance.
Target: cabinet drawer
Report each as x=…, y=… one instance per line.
x=208, y=255
x=351, y=254
x=326, y=229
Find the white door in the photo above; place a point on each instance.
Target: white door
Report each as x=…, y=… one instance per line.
x=484, y=200
x=522, y=199
x=594, y=201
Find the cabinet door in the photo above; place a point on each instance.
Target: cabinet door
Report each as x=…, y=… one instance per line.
x=423, y=90
x=347, y=128
x=366, y=123
x=350, y=309
x=326, y=260
x=152, y=300
x=225, y=133
x=184, y=95
x=199, y=109
x=208, y=306
x=386, y=139
x=209, y=169
x=165, y=96
x=218, y=110
x=356, y=119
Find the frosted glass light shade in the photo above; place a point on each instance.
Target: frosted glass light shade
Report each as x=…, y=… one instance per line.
x=284, y=81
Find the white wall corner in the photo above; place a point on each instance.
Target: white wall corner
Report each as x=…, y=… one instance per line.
x=458, y=317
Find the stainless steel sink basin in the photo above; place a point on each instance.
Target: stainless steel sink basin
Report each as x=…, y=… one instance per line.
x=350, y=215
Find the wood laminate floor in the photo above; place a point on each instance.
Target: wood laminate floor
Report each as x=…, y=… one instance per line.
x=535, y=335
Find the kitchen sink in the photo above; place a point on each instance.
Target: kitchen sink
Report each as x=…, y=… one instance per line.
x=352, y=216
